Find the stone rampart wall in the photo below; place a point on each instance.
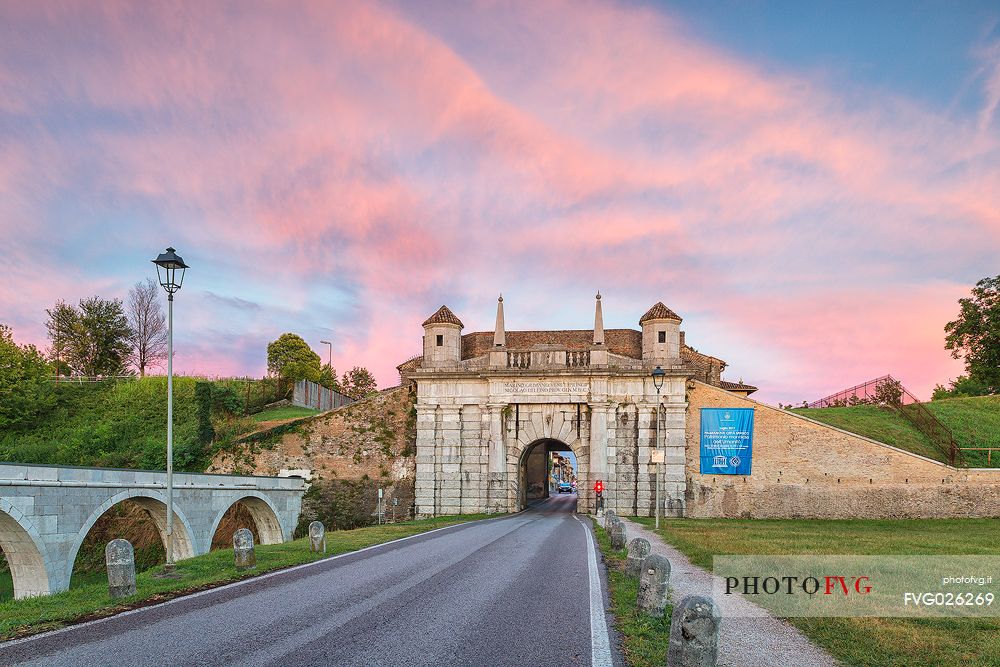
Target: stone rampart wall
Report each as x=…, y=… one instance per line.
x=804, y=469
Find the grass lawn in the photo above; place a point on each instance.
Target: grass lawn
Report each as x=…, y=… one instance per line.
x=90, y=598
x=285, y=412
x=975, y=422
x=644, y=639
x=872, y=642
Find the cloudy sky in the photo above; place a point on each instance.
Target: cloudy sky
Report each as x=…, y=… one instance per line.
x=811, y=186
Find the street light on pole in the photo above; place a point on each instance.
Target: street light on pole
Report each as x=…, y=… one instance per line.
x=658, y=374
x=330, y=362
x=167, y=264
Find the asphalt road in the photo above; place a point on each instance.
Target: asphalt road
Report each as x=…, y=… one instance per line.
x=519, y=590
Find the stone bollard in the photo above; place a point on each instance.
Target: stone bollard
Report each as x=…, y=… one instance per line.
x=317, y=537
x=694, y=633
x=617, y=534
x=243, y=551
x=638, y=549
x=609, y=518
x=120, y=558
x=654, y=585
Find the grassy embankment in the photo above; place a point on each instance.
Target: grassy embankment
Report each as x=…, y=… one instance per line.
x=282, y=413
x=975, y=422
x=644, y=639
x=123, y=424
x=90, y=598
x=868, y=642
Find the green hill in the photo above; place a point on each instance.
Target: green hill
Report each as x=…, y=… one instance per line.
x=123, y=424
x=975, y=422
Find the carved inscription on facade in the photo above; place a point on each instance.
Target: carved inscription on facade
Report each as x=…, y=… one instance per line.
x=542, y=387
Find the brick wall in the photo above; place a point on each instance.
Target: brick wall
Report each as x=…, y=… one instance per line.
x=805, y=469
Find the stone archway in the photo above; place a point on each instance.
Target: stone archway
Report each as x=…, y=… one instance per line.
x=533, y=470
x=155, y=505
x=265, y=518
x=23, y=548
x=565, y=424
x=523, y=477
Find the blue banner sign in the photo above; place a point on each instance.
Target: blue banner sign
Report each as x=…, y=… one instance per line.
x=726, y=441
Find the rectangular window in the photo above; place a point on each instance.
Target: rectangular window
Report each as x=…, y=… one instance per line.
x=440, y=340
x=663, y=336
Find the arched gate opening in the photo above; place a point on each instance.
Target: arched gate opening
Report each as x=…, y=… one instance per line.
x=547, y=467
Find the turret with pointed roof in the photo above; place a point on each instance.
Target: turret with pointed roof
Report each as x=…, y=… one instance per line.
x=661, y=336
x=442, y=339
x=659, y=312
x=443, y=316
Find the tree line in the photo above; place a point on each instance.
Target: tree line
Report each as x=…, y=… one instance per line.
x=290, y=357
x=106, y=337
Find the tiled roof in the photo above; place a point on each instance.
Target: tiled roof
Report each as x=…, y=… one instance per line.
x=626, y=342
x=737, y=386
x=659, y=312
x=443, y=316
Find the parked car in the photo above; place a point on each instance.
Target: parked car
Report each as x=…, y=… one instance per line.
x=565, y=487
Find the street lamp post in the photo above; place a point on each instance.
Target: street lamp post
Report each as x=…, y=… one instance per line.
x=330, y=357
x=658, y=383
x=167, y=264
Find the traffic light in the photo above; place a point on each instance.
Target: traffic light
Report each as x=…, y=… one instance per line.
x=598, y=487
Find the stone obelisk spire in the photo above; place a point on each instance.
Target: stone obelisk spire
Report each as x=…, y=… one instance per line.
x=499, y=337
x=598, y=323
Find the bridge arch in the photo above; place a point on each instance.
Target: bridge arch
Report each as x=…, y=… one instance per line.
x=25, y=552
x=153, y=502
x=265, y=517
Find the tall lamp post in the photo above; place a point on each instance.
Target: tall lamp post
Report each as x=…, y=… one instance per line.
x=330, y=357
x=167, y=264
x=658, y=374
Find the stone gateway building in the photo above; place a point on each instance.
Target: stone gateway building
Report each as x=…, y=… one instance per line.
x=490, y=405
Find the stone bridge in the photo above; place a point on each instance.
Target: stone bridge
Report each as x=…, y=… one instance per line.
x=47, y=511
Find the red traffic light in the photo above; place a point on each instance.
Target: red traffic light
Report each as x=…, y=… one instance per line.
x=598, y=486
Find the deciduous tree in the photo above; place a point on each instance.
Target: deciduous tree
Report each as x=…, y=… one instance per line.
x=291, y=358
x=25, y=386
x=149, y=325
x=358, y=382
x=975, y=335
x=93, y=339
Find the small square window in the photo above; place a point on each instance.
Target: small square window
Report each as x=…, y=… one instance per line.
x=440, y=340
x=663, y=336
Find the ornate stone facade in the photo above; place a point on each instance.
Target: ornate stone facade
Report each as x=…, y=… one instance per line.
x=485, y=400
x=482, y=407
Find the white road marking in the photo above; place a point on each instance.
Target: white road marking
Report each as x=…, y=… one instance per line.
x=600, y=642
x=241, y=582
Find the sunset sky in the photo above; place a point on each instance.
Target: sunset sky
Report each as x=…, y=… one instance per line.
x=811, y=186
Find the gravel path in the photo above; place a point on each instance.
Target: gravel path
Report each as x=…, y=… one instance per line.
x=743, y=642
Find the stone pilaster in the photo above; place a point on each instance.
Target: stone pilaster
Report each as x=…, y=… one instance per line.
x=674, y=467
x=599, y=440
x=472, y=455
x=496, y=481
x=645, y=480
x=450, y=458
x=426, y=462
